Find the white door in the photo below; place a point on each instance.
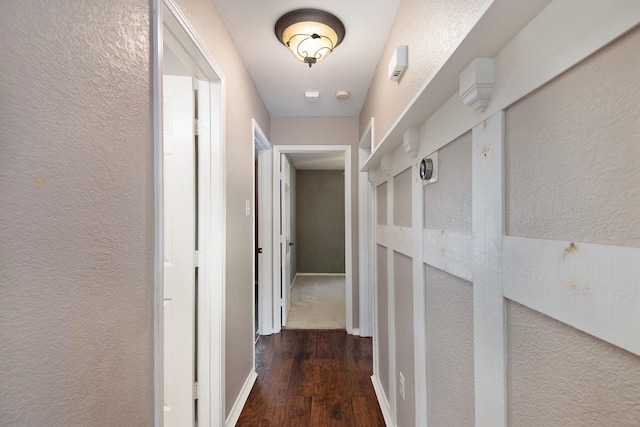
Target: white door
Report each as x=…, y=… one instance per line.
x=179, y=250
x=285, y=232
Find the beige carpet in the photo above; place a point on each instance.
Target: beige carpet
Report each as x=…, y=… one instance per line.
x=317, y=302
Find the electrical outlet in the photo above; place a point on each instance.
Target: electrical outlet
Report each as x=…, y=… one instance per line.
x=402, y=386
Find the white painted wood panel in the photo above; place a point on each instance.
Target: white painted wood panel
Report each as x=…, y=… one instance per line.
x=382, y=238
x=450, y=251
x=402, y=240
x=489, y=320
x=594, y=288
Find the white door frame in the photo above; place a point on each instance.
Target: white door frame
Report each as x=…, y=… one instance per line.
x=171, y=26
x=294, y=149
x=365, y=233
x=265, y=234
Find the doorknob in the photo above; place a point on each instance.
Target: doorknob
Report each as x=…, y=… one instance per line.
x=290, y=243
x=259, y=250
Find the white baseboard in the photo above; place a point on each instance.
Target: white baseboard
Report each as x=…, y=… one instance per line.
x=382, y=401
x=232, y=419
x=356, y=331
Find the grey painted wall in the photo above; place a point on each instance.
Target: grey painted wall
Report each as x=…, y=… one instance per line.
x=76, y=223
x=320, y=221
x=450, y=383
x=572, y=157
x=403, y=309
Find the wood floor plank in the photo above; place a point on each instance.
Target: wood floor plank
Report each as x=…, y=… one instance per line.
x=312, y=378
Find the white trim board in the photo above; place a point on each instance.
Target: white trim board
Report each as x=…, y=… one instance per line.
x=489, y=319
x=591, y=287
x=365, y=249
x=382, y=401
x=450, y=251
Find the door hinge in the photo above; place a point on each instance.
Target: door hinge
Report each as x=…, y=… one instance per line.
x=281, y=239
x=281, y=302
x=196, y=394
x=196, y=259
x=196, y=126
x=281, y=175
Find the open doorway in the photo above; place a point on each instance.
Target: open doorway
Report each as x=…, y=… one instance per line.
x=317, y=210
x=189, y=200
x=302, y=155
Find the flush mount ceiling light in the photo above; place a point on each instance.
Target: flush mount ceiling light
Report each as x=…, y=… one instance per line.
x=310, y=34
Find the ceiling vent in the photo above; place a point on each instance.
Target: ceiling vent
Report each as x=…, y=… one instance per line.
x=312, y=96
x=398, y=63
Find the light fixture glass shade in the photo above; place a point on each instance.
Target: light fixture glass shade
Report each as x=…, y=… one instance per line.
x=310, y=34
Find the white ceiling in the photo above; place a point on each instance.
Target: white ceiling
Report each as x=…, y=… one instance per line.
x=282, y=79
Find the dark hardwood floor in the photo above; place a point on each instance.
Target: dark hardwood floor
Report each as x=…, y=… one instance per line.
x=312, y=378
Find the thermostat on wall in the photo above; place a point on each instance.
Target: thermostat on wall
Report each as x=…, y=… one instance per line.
x=398, y=63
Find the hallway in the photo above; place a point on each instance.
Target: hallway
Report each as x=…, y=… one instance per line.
x=312, y=378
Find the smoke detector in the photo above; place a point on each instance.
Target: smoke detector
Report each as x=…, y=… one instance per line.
x=398, y=63
x=342, y=95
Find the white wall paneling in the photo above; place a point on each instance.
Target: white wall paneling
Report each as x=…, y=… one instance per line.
x=450, y=251
x=489, y=319
x=391, y=310
x=572, y=282
x=402, y=240
x=365, y=248
x=382, y=235
x=569, y=289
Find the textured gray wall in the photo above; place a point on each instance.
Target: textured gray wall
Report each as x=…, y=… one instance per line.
x=447, y=203
x=403, y=308
x=402, y=199
x=450, y=383
x=449, y=307
x=320, y=221
x=76, y=223
x=559, y=376
x=572, y=157
x=572, y=153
